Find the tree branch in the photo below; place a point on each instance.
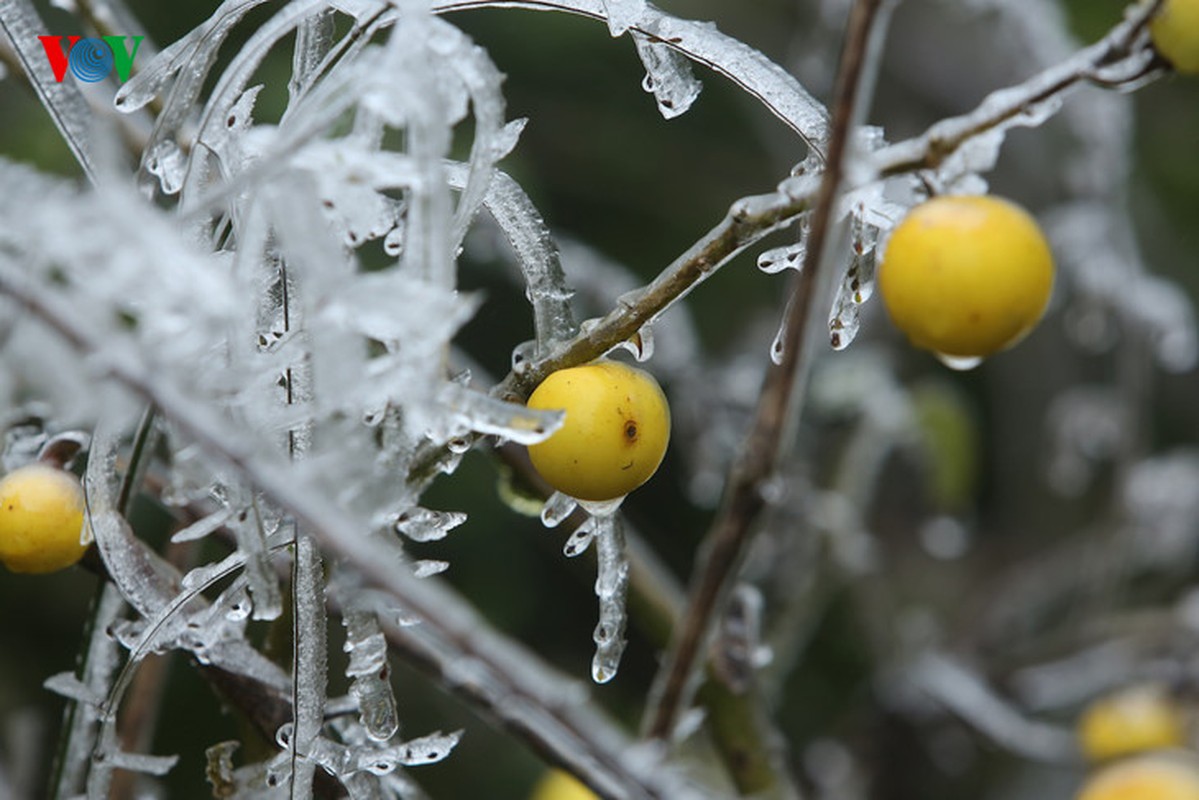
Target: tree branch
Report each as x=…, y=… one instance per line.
x=779, y=403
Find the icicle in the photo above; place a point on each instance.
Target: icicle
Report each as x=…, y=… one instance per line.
x=581, y=539
x=308, y=678
x=368, y=673
x=611, y=587
x=640, y=344
x=558, y=507
x=778, y=259
x=668, y=76
x=857, y=285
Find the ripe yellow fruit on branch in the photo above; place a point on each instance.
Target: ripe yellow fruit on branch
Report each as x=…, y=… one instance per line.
x=41, y=519
x=1155, y=777
x=615, y=433
x=966, y=276
x=559, y=785
x=1131, y=721
x=1175, y=33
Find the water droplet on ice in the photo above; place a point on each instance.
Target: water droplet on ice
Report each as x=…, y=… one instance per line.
x=960, y=363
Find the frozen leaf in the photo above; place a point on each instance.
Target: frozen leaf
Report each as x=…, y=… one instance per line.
x=426, y=568
x=425, y=525
x=368, y=673
x=140, y=762
x=467, y=410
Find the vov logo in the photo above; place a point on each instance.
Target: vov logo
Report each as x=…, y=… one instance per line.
x=90, y=59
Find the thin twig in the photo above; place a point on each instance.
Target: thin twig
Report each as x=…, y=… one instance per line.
x=752, y=218
x=779, y=403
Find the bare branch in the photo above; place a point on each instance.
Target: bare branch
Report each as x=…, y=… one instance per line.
x=779, y=403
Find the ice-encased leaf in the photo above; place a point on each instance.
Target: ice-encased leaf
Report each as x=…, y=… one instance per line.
x=414, y=753
x=668, y=76
x=368, y=673
x=142, y=762
x=537, y=255
x=467, y=410
x=426, y=525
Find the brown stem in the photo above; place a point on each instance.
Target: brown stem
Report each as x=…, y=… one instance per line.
x=778, y=403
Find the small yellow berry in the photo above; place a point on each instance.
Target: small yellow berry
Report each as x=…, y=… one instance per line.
x=41, y=519
x=966, y=276
x=1154, y=777
x=1131, y=721
x=559, y=785
x=615, y=433
x=1175, y=33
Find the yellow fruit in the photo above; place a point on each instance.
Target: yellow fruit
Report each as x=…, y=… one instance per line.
x=1175, y=33
x=558, y=785
x=615, y=433
x=1144, y=778
x=1131, y=721
x=966, y=276
x=41, y=519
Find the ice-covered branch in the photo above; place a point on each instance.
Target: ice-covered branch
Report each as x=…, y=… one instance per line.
x=757, y=75
x=484, y=666
x=1122, y=56
x=752, y=218
x=965, y=694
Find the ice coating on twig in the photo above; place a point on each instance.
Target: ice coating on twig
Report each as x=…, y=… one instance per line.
x=308, y=677
x=88, y=690
x=623, y=13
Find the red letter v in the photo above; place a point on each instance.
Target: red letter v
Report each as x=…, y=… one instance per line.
x=56, y=54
